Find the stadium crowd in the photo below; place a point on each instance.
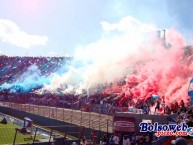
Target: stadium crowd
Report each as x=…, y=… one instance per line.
x=12, y=68
x=96, y=103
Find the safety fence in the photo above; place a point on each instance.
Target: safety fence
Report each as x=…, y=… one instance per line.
x=92, y=120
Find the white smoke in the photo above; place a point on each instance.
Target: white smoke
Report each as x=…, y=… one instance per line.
x=106, y=59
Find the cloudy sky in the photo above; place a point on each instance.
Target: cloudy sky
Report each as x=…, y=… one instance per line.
x=60, y=27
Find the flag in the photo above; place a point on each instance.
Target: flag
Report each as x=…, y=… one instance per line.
x=190, y=89
x=155, y=96
x=84, y=91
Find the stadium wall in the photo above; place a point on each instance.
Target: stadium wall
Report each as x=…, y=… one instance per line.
x=75, y=129
x=68, y=128
x=162, y=119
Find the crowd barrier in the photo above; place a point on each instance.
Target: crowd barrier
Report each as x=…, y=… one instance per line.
x=111, y=110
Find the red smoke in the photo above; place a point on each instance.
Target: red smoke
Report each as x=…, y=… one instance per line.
x=159, y=70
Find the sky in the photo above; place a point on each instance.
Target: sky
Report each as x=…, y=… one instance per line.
x=62, y=27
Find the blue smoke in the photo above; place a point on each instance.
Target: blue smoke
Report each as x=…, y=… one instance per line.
x=28, y=81
x=32, y=79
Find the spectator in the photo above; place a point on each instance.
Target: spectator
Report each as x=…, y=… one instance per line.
x=133, y=142
x=145, y=109
x=101, y=141
x=116, y=139
x=138, y=138
x=157, y=105
x=176, y=106
x=111, y=142
x=84, y=141
x=179, y=141
x=189, y=103
x=141, y=140
x=94, y=136
x=128, y=141
x=182, y=103
x=74, y=143
x=163, y=105
x=189, y=112
x=104, y=140
x=167, y=110
x=124, y=140
x=172, y=106
x=147, y=138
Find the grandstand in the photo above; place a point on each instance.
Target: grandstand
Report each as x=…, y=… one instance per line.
x=97, y=111
x=11, y=68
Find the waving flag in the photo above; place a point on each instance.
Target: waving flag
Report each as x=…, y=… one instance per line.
x=84, y=91
x=155, y=96
x=190, y=90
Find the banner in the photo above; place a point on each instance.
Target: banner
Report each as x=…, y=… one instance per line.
x=190, y=90
x=123, y=124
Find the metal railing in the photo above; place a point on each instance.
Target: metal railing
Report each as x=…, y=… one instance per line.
x=94, y=120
